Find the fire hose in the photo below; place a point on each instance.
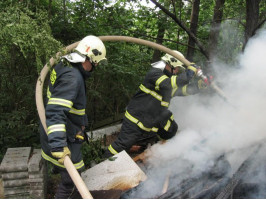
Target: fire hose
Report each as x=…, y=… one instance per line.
x=40, y=105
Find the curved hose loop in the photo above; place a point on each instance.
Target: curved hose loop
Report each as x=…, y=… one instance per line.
x=39, y=85
x=45, y=70
x=40, y=82
x=40, y=105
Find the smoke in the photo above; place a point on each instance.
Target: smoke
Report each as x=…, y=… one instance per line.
x=210, y=127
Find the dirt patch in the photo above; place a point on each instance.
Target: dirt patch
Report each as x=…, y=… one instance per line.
x=107, y=140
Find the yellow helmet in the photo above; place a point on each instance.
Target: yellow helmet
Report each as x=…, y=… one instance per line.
x=92, y=47
x=171, y=60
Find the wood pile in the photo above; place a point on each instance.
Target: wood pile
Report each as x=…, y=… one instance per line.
x=23, y=173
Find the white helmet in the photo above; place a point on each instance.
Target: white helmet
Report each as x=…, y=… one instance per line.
x=92, y=47
x=171, y=60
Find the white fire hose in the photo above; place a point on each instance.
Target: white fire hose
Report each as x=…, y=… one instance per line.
x=82, y=188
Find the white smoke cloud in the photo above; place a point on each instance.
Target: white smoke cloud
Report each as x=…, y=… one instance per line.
x=209, y=126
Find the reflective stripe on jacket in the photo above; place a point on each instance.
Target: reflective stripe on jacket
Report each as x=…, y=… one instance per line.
x=78, y=165
x=150, y=104
x=65, y=111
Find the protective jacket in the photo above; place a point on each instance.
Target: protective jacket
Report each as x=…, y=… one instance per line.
x=65, y=112
x=148, y=112
x=150, y=104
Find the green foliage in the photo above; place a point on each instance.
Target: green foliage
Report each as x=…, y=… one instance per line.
x=92, y=152
x=32, y=31
x=111, y=86
x=26, y=44
x=29, y=36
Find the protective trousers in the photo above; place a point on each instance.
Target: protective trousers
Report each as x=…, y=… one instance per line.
x=131, y=134
x=66, y=188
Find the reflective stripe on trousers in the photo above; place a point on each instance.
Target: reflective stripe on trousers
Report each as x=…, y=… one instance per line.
x=139, y=123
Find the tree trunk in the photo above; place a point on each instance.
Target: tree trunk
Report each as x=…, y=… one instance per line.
x=252, y=19
x=50, y=9
x=193, y=28
x=159, y=40
x=64, y=8
x=185, y=28
x=161, y=23
x=215, y=28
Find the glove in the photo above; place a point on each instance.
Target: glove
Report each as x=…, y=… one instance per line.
x=79, y=138
x=192, y=70
x=205, y=82
x=61, y=153
x=200, y=74
x=208, y=79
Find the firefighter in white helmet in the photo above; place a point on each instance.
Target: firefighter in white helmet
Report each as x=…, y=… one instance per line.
x=174, y=62
x=65, y=109
x=147, y=113
x=93, y=48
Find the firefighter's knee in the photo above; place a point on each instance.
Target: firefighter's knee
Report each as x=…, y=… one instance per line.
x=174, y=127
x=107, y=154
x=166, y=134
x=110, y=151
x=171, y=132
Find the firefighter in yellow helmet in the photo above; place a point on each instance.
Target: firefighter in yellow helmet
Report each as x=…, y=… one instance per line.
x=147, y=113
x=65, y=109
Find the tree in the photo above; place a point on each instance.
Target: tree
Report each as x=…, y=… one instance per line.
x=30, y=32
x=252, y=19
x=26, y=44
x=215, y=28
x=184, y=27
x=161, y=24
x=193, y=28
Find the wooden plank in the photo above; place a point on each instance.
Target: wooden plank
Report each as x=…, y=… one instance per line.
x=36, y=161
x=16, y=159
x=15, y=175
x=16, y=183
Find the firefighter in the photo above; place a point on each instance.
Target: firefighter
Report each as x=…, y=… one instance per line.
x=147, y=113
x=65, y=109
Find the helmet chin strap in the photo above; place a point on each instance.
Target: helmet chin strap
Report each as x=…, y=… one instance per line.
x=172, y=70
x=92, y=67
x=167, y=71
x=92, y=64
